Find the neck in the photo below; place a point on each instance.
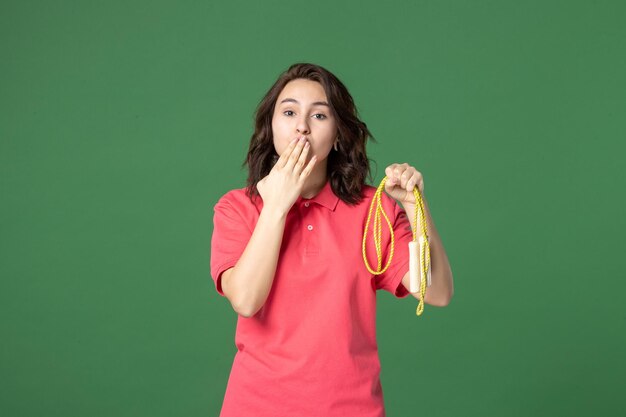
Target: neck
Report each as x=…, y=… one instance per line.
x=315, y=181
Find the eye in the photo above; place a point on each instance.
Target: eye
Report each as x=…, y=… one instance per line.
x=287, y=111
x=323, y=116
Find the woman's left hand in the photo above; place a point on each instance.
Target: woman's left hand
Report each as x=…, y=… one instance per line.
x=401, y=179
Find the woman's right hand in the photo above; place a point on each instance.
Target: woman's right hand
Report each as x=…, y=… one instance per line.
x=283, y=185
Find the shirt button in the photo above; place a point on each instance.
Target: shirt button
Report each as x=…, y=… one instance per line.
x=306, y=204
x=309, y=227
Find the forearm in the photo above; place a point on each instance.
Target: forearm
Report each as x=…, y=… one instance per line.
x=251, y=279
x=442, y=285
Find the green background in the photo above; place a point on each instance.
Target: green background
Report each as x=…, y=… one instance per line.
x=122, y=123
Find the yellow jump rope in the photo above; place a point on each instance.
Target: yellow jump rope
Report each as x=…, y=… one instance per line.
x=418, y=248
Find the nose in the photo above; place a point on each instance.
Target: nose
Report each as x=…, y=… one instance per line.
x=303, y=126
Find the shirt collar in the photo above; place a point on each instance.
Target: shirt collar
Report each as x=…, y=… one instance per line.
x=325, y=198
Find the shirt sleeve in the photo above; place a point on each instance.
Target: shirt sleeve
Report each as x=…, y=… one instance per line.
x=391, y=279
x=230, y=236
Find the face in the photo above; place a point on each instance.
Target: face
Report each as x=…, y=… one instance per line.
x=302, y=109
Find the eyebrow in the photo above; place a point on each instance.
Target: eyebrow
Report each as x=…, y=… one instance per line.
x=293, y=100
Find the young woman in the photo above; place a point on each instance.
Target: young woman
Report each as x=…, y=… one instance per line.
x=286, y=251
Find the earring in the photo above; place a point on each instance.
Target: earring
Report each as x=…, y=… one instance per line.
x=335, y=145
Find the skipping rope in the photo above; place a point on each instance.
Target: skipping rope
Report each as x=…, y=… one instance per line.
x=418, y=248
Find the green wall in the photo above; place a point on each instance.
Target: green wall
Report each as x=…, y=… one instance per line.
x=122, y=123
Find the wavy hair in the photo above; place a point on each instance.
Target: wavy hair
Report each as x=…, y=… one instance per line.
x=347, y=169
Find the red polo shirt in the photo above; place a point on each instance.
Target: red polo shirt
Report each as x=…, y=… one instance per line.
x=311, y=350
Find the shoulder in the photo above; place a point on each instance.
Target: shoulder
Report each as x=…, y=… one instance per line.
x=369, y=193
x=368, y=190
x=233, y=196
x=236, y=204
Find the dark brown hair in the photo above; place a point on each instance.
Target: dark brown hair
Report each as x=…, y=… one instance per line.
x=347, y=168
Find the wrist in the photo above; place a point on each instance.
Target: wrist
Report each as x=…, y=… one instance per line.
x=274, y=213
